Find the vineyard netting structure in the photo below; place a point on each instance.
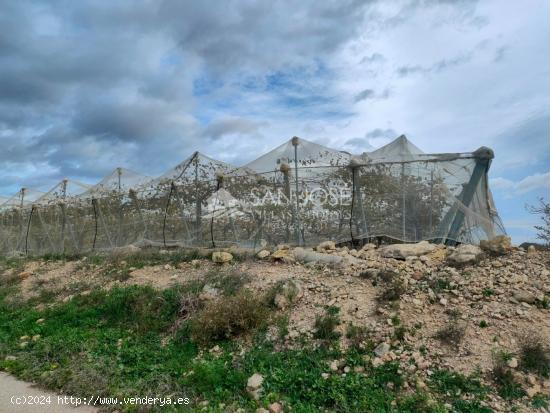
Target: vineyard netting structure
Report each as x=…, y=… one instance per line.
x=300, y=193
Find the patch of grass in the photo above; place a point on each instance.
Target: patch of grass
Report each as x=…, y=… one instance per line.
x=453, y=313
x=452, y=333
x=420, y=402
x=543, y=303
x=488, y=292
x=228, y=283
x=507, y=386
x=535, y=356
x=152, y=257
x=229, y=317
x=439, y=284
x=399, y=332
x=287, y=288
x=392, y=291
x=281, y=321
x=540, y=401
x=455, y=384
x=359, y=337
x=53, y=257
x=325, y=325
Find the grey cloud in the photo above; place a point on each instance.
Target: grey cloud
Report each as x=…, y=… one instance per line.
x=438, y=66
x=373, y=58
x=371, y=94
x=381, y=133
x=358, y=145
x=255, y=35
x=364, y=95
x=231, y=126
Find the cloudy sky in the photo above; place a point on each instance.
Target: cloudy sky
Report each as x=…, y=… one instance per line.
x=90, y=85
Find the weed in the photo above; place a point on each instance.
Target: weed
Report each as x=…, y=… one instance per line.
x=439, y=284
x=395, y=320
x=507, y=386
x=392, y=291
x=483, y=324
x=325, y=325
x=358, y=336
x=454, y=384
x=540, y=401
x=399, y=332
x=488, y=292
x=228, y=317
x=420, y=402
x=281, y=321
x=227, y=283
x=451, y=334
x=535, y=356
x=285, y=288
x=543, y=303
x=453, y=313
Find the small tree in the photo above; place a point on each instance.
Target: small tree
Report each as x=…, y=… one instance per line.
x=543, y=209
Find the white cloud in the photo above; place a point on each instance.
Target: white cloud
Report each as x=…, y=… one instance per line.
x=537, y=181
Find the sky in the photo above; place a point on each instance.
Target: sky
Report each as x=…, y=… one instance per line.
x=91, y=85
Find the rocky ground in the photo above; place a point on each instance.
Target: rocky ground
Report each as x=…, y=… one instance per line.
x=423, y=305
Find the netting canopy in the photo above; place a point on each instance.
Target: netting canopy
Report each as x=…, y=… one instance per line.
x=299, y=193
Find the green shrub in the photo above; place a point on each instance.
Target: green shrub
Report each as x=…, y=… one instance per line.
x=488, y=292
x=228, y=283
x=535, y=356
x=358, y=336
x=325, y=325
x=229, y=317
x=392, y=291
x=452, y=333
x=506, y=384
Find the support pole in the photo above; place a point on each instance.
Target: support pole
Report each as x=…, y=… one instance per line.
x=431, y=201
x=295, y=143
x=21, y=204
x=285, y=169
x=356, y=199
x=172, y=187
x=219, y=185
x=63, y=213
x=120, y=214
x=94, y=201
x=198, y=204
x=403, y=204
x=28, y=229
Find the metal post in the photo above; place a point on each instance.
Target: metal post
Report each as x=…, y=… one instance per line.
x=63, y=213
x=403, y=200
x=219, y=185
x=356, y=198
x=198, y=203
x=120, y=214
x=295, y=143
x=21, y=204
x=285, y=169
x=95, y=222
x=431, y=201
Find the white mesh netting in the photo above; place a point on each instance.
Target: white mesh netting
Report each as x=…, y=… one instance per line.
x=298, y=193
